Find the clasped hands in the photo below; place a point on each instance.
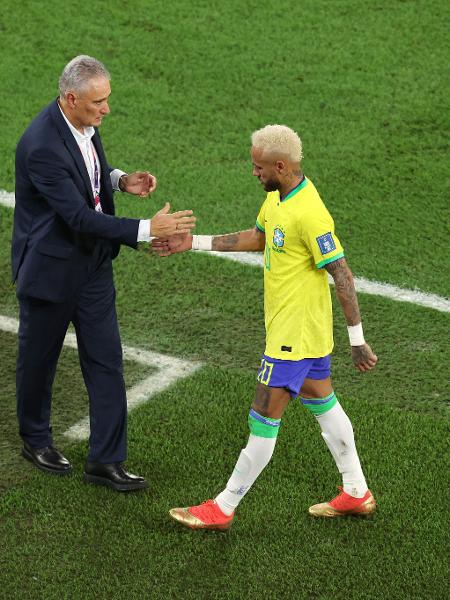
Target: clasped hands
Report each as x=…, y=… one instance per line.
x=171, y=244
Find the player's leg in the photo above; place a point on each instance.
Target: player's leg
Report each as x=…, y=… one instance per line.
x=318, y=396
x=279, y=380
x=337, y=431
x=264, y=422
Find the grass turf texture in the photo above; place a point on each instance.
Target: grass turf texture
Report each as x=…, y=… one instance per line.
x=106, y=545
x=365, y=86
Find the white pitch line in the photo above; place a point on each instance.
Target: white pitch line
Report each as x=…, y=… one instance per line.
x=375, y=288
x=7, y=199
x=363, y=285
x=170, y=370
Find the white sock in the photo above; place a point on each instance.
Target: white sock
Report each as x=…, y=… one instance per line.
x=252, y=460
x=337, y=431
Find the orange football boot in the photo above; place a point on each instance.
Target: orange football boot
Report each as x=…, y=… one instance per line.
x=204, y=516
x=344, y=504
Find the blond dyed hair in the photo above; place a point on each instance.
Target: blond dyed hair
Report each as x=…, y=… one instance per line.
x=278, y=139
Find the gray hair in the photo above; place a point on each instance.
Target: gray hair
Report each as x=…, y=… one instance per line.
x=278, y=139
x=78, y=72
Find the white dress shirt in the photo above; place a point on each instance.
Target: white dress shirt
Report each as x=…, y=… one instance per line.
x=84, y=141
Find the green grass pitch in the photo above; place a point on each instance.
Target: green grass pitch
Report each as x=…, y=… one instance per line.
x=365, y=83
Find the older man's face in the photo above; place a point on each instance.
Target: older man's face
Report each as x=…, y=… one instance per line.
x=91, y=105
x=265, y=170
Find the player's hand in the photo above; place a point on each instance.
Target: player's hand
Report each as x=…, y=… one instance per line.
x=175, y=243
x=139, y=183
x=164, y=224
x=363, y=357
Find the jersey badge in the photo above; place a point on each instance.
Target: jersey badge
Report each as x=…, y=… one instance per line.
x=278, y=239
x=326, y=243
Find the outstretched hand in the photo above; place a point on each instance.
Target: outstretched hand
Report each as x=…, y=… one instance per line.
x=176, y=243
x=164, y=224
x=139, y=183
x=363, y=357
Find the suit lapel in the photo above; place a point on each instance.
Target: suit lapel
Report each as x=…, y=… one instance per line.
x=106, y=191
x=74, y=150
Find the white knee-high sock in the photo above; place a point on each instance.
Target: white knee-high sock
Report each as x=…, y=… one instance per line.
x=252, y=460
x=337, y=431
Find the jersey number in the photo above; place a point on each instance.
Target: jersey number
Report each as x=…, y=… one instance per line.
x=265, y=372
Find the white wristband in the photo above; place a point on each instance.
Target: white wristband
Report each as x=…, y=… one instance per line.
x=356, y=335
x=202, y=242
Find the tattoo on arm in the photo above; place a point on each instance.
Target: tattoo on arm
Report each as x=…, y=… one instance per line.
x=225, y=243
x=345, y=290
x=249, y=240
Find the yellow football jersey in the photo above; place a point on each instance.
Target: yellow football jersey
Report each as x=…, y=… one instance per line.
x=300, y=241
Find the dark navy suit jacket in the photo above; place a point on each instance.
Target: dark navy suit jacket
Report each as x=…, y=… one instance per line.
x=55, y=225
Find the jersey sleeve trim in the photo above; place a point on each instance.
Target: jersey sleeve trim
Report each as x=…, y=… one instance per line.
x=260, y=227
x=329, y=260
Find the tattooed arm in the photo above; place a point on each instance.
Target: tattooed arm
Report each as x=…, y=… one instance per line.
x=345, y=290
x=363, y=357
x=250, y=240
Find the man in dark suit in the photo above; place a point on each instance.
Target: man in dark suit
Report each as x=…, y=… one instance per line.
x=65, y=237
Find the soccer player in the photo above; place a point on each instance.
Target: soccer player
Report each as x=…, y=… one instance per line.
x=296, y=233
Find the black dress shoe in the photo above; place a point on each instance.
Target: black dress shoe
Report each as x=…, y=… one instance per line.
x=114, y=476
x=47, y=459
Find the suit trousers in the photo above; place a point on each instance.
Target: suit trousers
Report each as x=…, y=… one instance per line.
x=42, y=328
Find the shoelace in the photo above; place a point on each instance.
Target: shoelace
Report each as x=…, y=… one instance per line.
x=207, y=509
x=341, y=501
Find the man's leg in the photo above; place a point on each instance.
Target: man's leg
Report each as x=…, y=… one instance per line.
x=100, y=354
x=42, y=328
x=264, y=422
x=337, y=431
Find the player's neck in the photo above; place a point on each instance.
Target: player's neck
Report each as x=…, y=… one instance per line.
x=290, y=184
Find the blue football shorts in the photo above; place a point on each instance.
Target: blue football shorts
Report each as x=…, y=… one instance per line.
x=290, y=374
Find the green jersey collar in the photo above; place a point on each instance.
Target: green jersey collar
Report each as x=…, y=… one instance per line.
x=297, y=188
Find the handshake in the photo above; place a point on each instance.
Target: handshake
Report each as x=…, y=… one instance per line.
x=165, y=224
x=171, y=231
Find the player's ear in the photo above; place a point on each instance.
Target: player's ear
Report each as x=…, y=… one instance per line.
x=280, y=166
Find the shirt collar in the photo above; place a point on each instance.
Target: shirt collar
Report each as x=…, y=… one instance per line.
x=80, y=137
x=297, y=188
